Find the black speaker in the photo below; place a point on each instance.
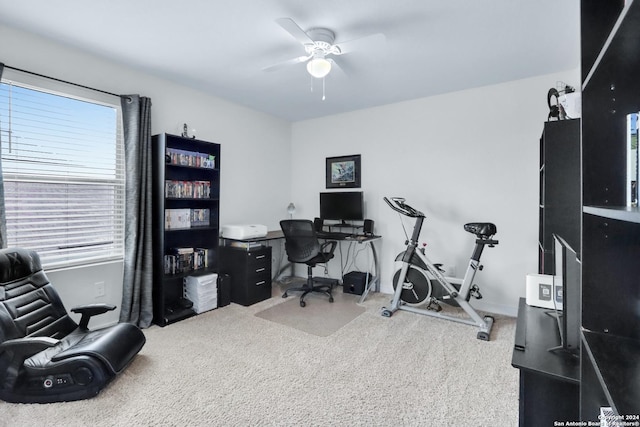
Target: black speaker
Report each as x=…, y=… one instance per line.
x=318, y=224
x=368, y=227
x=354, y=282
x=224, y=290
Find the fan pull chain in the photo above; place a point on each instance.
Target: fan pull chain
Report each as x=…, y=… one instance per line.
x=323, y=97
x=323, y=87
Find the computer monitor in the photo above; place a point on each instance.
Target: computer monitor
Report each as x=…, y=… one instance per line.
x=342, y=206
x=566, y=292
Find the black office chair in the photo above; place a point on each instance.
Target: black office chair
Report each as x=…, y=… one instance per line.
x=303, y=247
x=44, y=355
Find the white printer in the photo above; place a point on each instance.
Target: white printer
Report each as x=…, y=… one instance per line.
x=243, y=231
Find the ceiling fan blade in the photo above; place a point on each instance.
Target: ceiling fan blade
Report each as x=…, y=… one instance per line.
x=335, y=65
x=292, y=28
x=361, y=43
x=283, y=64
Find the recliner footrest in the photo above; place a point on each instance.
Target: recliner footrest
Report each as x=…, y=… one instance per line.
x=114, y=346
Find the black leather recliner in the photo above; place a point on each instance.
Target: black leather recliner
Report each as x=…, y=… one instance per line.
x=44, y=355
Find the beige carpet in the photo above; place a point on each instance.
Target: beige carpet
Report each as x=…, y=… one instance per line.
x=229, y=367
x=319, y=316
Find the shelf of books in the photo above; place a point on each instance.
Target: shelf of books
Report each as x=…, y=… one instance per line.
x=186, y=176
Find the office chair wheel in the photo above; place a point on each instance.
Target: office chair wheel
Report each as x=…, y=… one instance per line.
x=302, y=303
x=330, y=299
x=284, y=295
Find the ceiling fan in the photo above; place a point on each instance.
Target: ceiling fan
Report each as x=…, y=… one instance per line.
x=320, y=47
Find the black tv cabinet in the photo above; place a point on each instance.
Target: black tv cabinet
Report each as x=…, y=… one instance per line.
x=549, y=380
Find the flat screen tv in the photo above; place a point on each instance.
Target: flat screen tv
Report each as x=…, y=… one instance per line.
x=566, y=291
x=342, y=205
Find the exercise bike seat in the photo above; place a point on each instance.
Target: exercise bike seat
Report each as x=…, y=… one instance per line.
x=484, y=230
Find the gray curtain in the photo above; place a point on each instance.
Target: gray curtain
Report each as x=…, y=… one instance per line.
x=3, y=217
x=137, y=303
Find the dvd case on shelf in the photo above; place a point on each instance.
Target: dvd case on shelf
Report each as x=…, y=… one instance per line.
x=190, y=158
x=187, y=189
x=199, y=217
x=180, y=219
x=177, y=219
x=182, y=260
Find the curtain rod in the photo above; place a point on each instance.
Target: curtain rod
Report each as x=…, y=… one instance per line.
x=60, y=80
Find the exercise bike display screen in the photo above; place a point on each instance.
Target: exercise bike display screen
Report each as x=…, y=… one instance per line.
x=342, y=205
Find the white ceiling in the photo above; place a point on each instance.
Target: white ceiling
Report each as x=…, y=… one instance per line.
x=221, y=47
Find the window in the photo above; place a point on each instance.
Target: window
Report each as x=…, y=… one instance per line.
x=63, y=170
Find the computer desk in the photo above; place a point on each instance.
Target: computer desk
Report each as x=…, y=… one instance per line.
x=372, y=280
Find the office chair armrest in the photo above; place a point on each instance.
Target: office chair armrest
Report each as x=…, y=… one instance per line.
x=331, y=243
x=89, y=310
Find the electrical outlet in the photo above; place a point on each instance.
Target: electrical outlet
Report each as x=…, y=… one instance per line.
x=100, y=289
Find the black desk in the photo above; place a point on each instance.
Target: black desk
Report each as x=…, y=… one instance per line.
x=373, y=280
x=549, y=381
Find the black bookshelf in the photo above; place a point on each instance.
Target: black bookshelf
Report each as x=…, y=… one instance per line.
x=560, y=189
x=610, y=358
x=186, y=206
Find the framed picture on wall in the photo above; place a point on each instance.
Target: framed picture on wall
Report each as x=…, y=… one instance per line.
x=343, y=171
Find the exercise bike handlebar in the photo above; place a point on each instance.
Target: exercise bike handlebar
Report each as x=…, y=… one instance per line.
x=398, y=204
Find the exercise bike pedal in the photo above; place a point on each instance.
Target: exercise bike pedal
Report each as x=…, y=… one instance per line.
x=434, y=305
x=475, y=292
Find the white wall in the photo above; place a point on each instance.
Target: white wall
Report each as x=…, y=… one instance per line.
x=460, y=157
x=255, y=156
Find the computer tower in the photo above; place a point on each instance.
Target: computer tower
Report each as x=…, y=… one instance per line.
x=354, y=282
x=224, y=290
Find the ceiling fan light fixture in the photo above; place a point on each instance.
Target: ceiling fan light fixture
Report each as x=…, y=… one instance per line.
x=319, y=67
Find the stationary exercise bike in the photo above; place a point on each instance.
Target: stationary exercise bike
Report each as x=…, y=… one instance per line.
x=417, y=281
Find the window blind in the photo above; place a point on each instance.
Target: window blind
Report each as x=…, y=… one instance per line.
x=63, y=171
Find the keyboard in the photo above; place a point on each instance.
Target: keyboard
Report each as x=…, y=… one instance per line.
x=333, y=235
